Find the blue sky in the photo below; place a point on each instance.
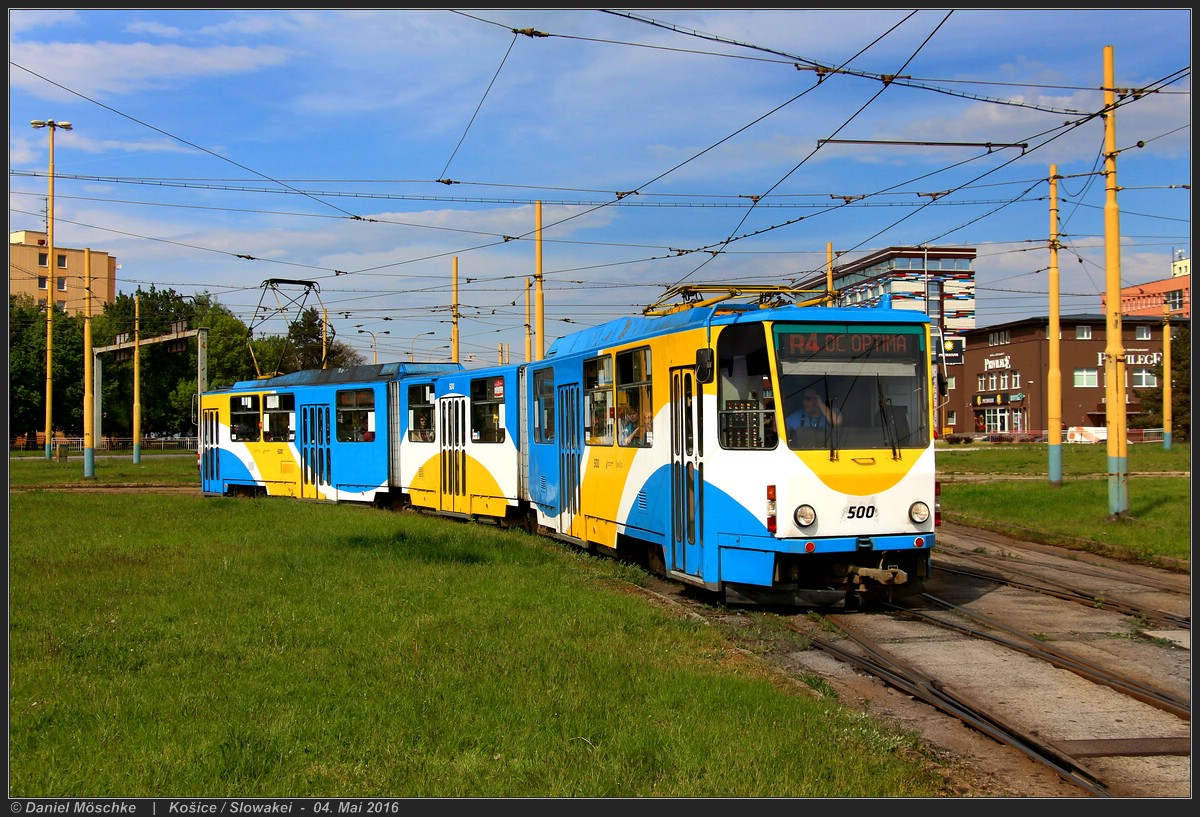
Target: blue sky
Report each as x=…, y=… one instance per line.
x=366, y=150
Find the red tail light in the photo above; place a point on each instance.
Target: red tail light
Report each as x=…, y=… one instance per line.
x=771, y=523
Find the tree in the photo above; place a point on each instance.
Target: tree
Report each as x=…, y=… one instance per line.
x=26, y=365
x=168, y=384
x=1181, y=390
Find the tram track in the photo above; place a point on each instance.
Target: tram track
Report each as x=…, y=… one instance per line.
x=1135, y=688
x=872, y=658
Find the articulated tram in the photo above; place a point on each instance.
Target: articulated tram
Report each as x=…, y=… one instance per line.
x=771, y=454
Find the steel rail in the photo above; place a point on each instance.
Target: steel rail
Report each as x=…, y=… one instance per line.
x=904, y=676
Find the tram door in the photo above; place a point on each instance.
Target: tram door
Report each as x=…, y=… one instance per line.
x=312, y=438
x=687, y=472
x=570, y=455
x=209, y=446
x=452, y=421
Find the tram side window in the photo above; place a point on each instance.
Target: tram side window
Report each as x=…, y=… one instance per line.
x=243, y=418
x=543, y=406
x=598, y=400
x=487, y=409
x=356, y=415
x=745, y=389
x=635, y=406
x=279, y=417
x=420, y=410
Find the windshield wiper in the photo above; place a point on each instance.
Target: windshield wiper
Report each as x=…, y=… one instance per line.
x=890, y=433
x=831, y=428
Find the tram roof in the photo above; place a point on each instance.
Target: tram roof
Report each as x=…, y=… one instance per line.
x=628, y=329
x=349, y=374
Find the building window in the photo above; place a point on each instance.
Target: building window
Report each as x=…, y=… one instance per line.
x=60, y=283
x=1086, y=378
x=950, y=383
x=951, y=418
x=1003, y=381
x=1174, y=300
x=42, y=281
x=981, y=384
x=992, y=381
x=1144, y=379
x=1141, y=333
x=1083, y=333
x=1016, y=379
x=998, y=338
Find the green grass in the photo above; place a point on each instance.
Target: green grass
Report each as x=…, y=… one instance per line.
x=196, y=646
x=1075, y=513
x=1077, y=460
x=159, y=468
x=217, y=647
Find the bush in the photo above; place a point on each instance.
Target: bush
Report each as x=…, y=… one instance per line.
x=959, y=439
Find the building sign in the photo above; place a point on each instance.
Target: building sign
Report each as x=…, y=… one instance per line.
x=996, y=399
x=996, y=363
x=1134, y=358
x=952, y=351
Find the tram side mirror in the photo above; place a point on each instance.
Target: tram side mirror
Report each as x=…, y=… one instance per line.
x=704, y=365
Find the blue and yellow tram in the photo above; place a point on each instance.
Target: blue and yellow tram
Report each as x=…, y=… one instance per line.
x=780, y=454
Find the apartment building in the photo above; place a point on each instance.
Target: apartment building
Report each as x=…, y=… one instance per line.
x=29, y=273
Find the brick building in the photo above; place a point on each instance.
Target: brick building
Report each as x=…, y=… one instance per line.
x=29, y=273
x=1001, y=386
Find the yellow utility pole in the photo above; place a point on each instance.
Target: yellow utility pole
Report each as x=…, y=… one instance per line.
x=454, y=317
x=89, y=400
x=137, y=380
x=1166, y=342
x=1054, y=383
x=51, y=268
x=528, y=326
x=539, y=299
x=1114, y=352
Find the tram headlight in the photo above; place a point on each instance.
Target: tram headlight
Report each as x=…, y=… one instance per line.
x=804, y=515
x=918, y=512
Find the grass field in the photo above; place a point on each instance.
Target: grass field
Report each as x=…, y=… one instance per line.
x=186, y=647
x=175, y=645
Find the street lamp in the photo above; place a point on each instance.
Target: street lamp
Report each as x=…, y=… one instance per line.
x=374, y=341
x=413, y=346
x=38, y=124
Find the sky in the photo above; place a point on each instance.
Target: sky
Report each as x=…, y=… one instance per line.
x=369, y=153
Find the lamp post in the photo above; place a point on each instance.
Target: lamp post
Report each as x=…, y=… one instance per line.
x=38, y=124
x=413, y=346
x=374, y=340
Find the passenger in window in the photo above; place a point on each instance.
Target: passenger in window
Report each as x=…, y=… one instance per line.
x=629, y=428
x=423, y=432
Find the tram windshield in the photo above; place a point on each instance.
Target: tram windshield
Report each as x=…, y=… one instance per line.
x=835, y=386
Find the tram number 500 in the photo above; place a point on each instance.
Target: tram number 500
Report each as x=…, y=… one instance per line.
x=860, y=511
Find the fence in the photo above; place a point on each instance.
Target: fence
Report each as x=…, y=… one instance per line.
x=1071, y=434
x=38, y=443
